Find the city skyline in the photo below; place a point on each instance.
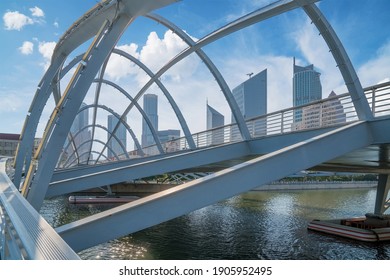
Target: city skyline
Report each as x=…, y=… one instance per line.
x=26, y=55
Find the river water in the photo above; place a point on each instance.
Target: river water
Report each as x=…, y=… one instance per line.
x=255, y=225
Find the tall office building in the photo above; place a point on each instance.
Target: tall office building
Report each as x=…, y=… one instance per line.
x=333, y=111
x=167, y=139
x=328, y=113
x=251, y=98
x=214, y=120
x=306, y=87
x=168, y=135
x=150, y=108
x=113, y=145
x=80, y=136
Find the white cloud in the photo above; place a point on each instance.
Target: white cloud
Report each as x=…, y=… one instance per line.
x=120, y=67
x=27, y=48
x=16, y=20
x=56, y=24
x=377, y=69
x=156, y=53
x=46, y=50
x=37, y=12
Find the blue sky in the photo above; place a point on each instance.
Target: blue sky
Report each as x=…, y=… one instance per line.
x=30, y=29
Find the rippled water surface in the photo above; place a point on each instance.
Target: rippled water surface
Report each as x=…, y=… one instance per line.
x=254, y=225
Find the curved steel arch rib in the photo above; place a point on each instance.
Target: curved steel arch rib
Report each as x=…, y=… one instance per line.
x=38, y=176
x=97, y=126
x=125, y=124
x=213, y=69
x=344, y=64
x=70, y=40
x=42, y=94
x=261, y=14
x=68, y=164
x=145, y=117
x=169, y=97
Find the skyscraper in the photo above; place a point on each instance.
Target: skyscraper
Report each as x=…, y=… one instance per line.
x=168, y=139
x=328, y=113
x=215, y=119
x=251, y=98
x=113, y=145
x=80, y=135
x=168, y=135
x=150, y=108
x=306, y=87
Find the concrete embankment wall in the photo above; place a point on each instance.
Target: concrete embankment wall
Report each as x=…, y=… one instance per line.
x=316, y=185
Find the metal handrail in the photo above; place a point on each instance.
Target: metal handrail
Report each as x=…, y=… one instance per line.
x=336, y=110
x=24, y=233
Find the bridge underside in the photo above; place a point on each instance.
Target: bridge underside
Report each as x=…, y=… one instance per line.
x=370, y=159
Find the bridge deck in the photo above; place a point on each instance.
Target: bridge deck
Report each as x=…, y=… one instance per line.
x=26, y=234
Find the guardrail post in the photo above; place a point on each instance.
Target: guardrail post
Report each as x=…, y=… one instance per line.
x=373, y=101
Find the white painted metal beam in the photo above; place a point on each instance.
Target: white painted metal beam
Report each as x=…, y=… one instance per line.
x=150, y=167
x=344, y=64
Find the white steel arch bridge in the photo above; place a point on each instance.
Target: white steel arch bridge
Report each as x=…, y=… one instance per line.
x=261, y=150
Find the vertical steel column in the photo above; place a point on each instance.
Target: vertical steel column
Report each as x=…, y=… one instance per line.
x=65, y=112
x=381, y=194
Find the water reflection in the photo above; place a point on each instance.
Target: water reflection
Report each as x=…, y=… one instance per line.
x=254, y=225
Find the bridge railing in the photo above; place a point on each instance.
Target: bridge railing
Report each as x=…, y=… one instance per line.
x=24, y=234
x=379, y=98
x=332, y=111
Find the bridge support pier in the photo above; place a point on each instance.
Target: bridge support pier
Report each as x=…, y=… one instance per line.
x=381, y=202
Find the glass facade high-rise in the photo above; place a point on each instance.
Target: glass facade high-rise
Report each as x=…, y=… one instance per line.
x=120, y=133
x=214, y=120
x=306, y=87
x=150, y=108
x=81, y=135
x=251, y=98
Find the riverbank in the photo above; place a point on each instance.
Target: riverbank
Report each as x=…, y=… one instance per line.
x=316, y=185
